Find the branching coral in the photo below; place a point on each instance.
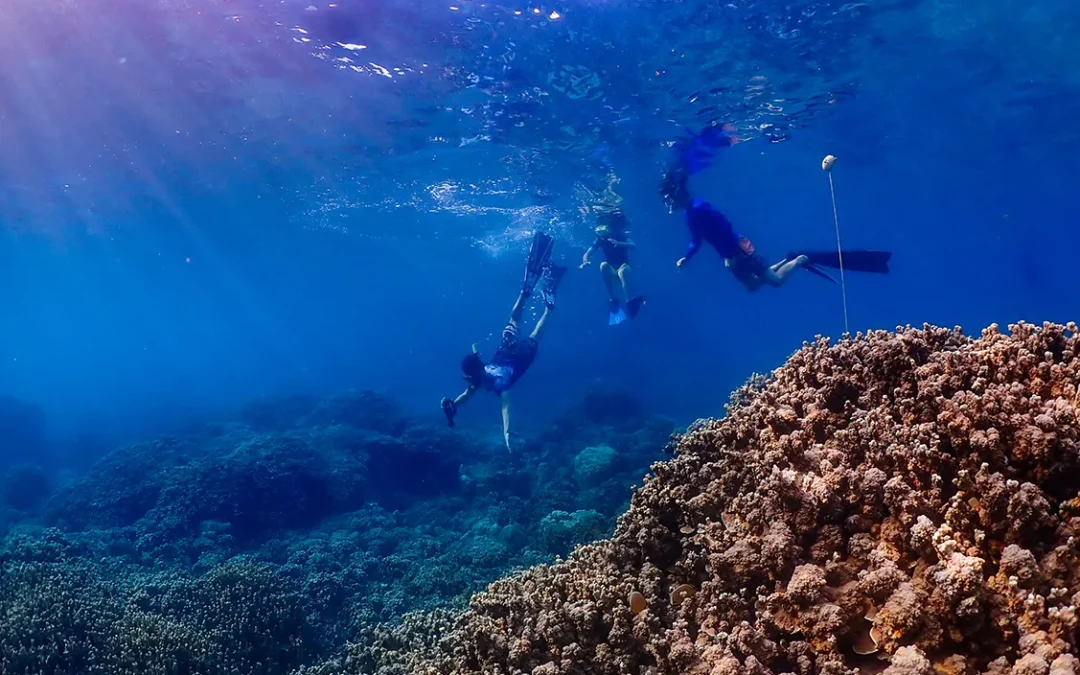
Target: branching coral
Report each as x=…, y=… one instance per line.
x=72, y=617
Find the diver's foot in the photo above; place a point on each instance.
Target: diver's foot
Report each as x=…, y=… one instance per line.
x=449, y=409
x=801, y=261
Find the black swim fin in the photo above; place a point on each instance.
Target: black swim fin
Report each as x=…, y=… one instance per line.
x=551, y=278
x=539, y=255
x=874, y=262
x=633, y=305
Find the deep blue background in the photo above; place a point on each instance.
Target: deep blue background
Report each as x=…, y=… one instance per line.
x=135, y=139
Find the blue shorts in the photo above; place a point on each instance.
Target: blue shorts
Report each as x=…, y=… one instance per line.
x=513, y=357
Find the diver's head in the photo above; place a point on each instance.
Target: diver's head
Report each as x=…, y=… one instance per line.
x=472, y=369
x=612, y=222
x=614, y=219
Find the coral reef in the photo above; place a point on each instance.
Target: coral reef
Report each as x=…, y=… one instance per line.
x=70, y=616
x=594, y=465
x=263, y=546
x=906, y=503
x=560, y=530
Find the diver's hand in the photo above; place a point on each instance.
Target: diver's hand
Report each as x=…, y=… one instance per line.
x=584, y=264
x=680, y=262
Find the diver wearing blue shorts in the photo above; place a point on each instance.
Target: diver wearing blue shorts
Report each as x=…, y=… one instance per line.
x=515, y=354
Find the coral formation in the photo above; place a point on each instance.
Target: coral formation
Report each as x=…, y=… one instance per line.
x=906, y=503
x=263, y=546
x=594, y=465
x=560, y=530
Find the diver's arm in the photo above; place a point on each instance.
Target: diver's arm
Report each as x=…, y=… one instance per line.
x=628, y=243
x=505, y=396
x=585, y=262
x=695, y=244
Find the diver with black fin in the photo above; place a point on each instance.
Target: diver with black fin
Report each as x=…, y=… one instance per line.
x=707, y=224
x=515, y=354
x=872, y=262
x=613, y=239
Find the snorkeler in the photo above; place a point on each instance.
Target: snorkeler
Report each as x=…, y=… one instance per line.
x=515, y=354
x=740, y=257
x=614, y=240
x=709, y=225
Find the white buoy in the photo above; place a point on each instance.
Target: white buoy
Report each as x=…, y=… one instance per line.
x=827, y=166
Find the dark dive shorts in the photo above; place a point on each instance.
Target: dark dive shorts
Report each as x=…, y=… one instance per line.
x=748, y=266
x=516, y=351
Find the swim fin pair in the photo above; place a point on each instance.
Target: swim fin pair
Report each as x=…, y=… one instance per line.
x=873, y=262
x=618, y=313
x=537, y=262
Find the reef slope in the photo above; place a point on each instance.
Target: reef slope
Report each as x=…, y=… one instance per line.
x=903, y=502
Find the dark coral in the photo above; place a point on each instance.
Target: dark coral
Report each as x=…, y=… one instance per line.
x=919, y=490
x=264, y=546
x=70, y=616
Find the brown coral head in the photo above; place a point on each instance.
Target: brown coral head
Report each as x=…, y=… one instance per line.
x=683, y=592
x=637, y=602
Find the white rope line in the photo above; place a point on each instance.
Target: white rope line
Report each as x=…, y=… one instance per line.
x=839, y=252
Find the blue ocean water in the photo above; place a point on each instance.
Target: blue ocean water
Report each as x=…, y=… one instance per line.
x=207, y=207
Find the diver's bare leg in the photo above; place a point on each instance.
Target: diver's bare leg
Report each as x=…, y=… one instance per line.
x=624, y=277
x=464, y=396
x=778, y=275
x=611, y=281
x=519, y=308
x=538, y=331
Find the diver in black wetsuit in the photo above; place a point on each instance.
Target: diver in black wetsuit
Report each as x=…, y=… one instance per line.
x=614, y=241
x=707, y=224
x=515, y=354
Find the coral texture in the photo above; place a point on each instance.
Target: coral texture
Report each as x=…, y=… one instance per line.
x=263, y=546
x=900, y=502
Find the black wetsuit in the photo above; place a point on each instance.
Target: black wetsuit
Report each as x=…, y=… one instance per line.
x=616, y=256
x=709, y=225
